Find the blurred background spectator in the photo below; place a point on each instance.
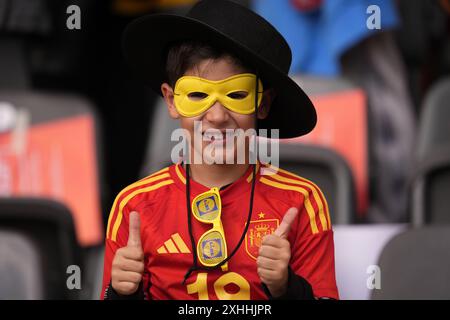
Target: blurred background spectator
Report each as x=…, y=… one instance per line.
x=332, y=39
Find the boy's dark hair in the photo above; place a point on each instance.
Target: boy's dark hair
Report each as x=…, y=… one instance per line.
x=184, y=55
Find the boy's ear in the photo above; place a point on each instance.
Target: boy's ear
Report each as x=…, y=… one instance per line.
x=266, y=102
x=167, y=93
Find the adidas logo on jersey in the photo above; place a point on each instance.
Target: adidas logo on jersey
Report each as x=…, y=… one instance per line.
x=174, y=245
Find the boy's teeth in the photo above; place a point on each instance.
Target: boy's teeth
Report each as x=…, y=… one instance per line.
x=214, y=136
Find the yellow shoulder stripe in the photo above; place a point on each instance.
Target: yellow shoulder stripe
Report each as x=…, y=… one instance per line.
x=304, y=192
x=128, y=198
x=180, y=176
x=156, y=173
x=317, y=188
x=250, y=176
x=316, y=196
x=149, y=179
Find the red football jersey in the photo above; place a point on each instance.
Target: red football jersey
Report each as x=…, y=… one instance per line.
x=160, y=200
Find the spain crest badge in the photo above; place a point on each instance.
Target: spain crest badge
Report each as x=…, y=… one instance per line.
x=256, y=232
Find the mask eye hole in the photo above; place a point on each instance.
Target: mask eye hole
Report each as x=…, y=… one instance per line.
x=197, y=96
x=238, y=95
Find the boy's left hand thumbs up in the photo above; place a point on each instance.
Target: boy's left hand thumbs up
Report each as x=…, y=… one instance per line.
x=274, y=256
x=285, y=225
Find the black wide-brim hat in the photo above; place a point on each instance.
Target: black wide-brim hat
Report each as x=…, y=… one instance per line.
x=234, y=29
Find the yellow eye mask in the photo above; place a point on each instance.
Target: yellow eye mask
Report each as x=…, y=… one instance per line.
x=194, y=95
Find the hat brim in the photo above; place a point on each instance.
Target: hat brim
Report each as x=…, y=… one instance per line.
x=145, y=43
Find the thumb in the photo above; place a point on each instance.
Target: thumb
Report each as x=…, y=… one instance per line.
x=134, y=236
x=285, y=225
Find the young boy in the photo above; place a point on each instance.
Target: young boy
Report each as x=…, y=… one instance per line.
x=215, y=230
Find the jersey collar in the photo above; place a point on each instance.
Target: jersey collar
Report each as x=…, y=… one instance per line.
x=238, y=188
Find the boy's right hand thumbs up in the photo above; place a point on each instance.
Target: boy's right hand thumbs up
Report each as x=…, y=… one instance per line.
x=134, y=236
x=128, y=264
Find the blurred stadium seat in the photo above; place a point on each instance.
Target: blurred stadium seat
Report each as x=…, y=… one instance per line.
x=48, y=139
x=416, y=265
x=20, y=267
x=12, y=64
x=159, y=144
x=357, y=249
x=329, y=171
x=341, y=126
x=43, y=145
x=431, y=185
x=43, y=236
x=92, y=278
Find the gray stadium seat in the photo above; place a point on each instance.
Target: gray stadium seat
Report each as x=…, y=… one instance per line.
x=317, y=85
x=159, y=145
x=416, y=265
x=431, y=185
x=44, y=229
x=13, y=64
x=93, y=260
x=357, y=249
x=20, y=268
x=329, y=171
